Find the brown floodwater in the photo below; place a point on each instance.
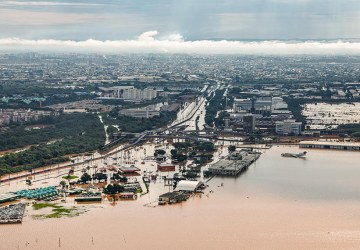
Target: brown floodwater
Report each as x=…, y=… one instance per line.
x=279, y=203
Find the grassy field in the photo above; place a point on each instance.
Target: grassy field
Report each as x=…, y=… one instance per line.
x=56, y=212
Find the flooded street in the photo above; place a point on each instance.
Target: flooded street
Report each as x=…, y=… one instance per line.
x=199, y=117
x=279, y=203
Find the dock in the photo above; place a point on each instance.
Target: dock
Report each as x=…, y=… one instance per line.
x=352, y=146
x=234, y=164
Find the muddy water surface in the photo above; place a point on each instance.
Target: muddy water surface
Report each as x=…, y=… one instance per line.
x=279, y=203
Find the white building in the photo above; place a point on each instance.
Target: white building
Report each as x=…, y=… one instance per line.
x=140, y=113
x=287, y=127
x=188, y=186
x=144, y=112
x=114, y=92
x=139, y=94
x=128, y=93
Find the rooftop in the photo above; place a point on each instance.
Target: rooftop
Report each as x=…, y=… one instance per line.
x=186, y=185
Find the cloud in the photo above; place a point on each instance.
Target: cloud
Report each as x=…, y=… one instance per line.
x=147, y=43
x=41, y=3
x=25, y=18
x=148, y=36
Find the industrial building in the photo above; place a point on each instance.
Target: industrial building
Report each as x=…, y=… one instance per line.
x=139, y=94
x=234, y=164
x=140, y=113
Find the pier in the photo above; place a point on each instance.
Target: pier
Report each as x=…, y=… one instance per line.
x=354, y=146
x=234, y=164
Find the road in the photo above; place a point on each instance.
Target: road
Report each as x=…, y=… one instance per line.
x=186, y=116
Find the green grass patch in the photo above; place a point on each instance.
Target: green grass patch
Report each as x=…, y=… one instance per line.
x=70, y=177
x=38, y=206
x=57, y=211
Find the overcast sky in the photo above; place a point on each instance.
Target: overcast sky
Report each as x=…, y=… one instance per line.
x=193, y=19
x=189, y=20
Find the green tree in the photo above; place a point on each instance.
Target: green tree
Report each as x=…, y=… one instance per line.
x=180, y=157
x=159, y=152
x=173, y=152
x=100, y=177
x=85, y=178
x=113, y=189
x=205, y=146
x=231, y=148
x=63, y=184
x=118, y=177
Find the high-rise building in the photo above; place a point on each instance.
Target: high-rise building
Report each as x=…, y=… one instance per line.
x=249, y=123
x=227, y=122
x=261, y=105
x=288, y=127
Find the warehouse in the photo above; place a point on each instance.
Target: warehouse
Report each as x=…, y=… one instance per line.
x=189, y=186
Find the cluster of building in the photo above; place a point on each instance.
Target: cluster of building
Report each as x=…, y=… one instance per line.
x=264, y=113
x=22, y=115
x=63, y=69
x=333, y=91
x=82, y=106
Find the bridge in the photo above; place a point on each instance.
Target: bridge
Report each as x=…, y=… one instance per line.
x=193, y=138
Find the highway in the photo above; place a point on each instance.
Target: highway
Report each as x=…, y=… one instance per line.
x=186, y=117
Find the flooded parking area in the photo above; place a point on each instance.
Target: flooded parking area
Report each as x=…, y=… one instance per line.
x=327, y=115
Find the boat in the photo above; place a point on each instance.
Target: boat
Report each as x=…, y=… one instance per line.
x=299, y=155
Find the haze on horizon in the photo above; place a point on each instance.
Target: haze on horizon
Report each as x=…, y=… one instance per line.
x=187, y=26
